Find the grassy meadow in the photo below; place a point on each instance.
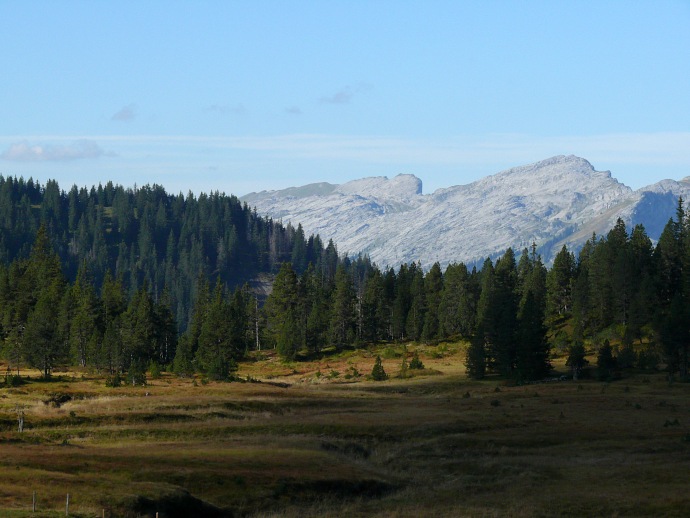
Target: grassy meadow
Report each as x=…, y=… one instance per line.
x=320, y=439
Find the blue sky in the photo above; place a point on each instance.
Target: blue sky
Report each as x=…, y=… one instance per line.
x=241, y=96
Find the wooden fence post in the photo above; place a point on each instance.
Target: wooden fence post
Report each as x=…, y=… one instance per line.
x=33, y=503
x=67, y=506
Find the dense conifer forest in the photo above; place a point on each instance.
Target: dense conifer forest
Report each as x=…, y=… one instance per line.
x=129, y=280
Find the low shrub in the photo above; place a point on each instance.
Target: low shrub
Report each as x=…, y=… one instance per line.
x=113, y=381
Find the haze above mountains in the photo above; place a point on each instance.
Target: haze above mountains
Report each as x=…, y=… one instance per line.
x=561, y=200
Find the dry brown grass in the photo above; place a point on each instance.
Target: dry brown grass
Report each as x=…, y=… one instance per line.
x=302, y=443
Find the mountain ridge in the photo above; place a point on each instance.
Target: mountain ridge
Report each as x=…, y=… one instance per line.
x=556, y=201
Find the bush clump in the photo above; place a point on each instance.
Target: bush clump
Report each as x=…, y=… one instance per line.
x=136, y=375
x=113, y=381
x=155, y=370
x=14, y=380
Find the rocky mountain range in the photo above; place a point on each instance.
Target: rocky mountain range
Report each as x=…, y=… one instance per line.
x=561, y=200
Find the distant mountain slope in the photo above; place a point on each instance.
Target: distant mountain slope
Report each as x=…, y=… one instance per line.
x=561, y=200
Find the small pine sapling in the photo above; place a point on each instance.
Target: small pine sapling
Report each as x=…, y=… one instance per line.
x=377, y=373
x=404, y=367
x=416, y=363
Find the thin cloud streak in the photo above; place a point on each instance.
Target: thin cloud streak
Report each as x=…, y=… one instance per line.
x=642, y=148
x=648, y=148
x=26, y=152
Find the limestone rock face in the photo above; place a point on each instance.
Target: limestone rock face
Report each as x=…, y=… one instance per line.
x=557, y=201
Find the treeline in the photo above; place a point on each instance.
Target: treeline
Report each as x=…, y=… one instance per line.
x=147, y=237
x=47, y=321
x=619, y=289
x=122, y=313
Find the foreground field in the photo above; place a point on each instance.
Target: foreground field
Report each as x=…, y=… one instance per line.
x=319, y=439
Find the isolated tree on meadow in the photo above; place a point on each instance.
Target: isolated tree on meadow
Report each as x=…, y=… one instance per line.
x=377, y=372
x=415, y=362
x=576, y=359
x=606, y=362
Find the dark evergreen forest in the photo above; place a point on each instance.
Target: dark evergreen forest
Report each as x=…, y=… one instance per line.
x=129, y=280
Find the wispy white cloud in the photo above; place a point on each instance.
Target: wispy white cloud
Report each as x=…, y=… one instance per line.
x=125, y=114
x=26, y=152
x=293, y=110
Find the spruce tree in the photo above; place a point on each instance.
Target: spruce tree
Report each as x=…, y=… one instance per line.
x=560, y=284
x=416, y=315
x=43, y=347
x=605, y=361
x=485, y=338
x=503, y=315
x=433, y=286
x=576, y=359
x=343, y=309
x=415, y=362
x=532, y=360
x=282, y=310
x=475, y=359
x=377, y=372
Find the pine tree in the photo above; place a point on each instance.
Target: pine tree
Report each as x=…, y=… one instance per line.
x=532, y=360
x=165, y=331
x=43, y=346
x=84, y=317
x=503, y=316
x=560, y=283
x=216, y=355
x=299, y=250
x=373, y=312
x=315, y=312
x=282, y=310
x=416, y=315
x=458, y=305
x=475, y=360
x=605, y=361
x=401, y=303
x=415, y=362
x=485, y=338
x=138, y=330
x=343, y=310
x=576, y=359
x=377, y=372
x=581, y=290
x=433, y=285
